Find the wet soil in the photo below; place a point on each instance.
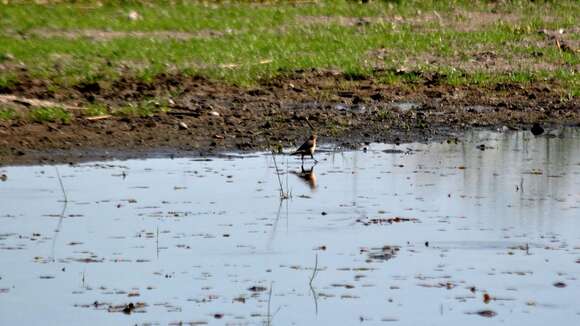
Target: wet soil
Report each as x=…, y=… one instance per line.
x=207, y=117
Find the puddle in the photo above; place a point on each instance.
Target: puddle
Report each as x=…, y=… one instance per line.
x=479, y=108
x=415, y=234
x=406, y=106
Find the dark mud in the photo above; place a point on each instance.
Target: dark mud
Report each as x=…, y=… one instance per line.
x=206, y=117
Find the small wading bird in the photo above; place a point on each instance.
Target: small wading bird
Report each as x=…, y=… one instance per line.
x=307, y=148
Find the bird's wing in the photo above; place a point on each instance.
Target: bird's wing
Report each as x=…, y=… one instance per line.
x=303, y=148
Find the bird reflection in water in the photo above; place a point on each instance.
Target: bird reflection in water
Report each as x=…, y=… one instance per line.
x=308, y=176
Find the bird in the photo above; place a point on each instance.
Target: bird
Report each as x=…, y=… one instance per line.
x=307, y=148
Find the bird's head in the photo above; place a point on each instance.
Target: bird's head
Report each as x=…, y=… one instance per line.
x=313, y=137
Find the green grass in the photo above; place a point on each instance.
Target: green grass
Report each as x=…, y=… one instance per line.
x=50, y=114
x=384, y=114
x=7, y=114
x=7, y=79
x=95, y=110
x=261, y=41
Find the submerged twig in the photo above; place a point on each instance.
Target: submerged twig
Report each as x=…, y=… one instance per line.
x=314, y=272
x=61, y=217
x=283, y=195
x=157, y=241
x=61, y=185
x=269, y=316
x=274, y=226
x=315, y=297
x=57, y=230
x=527, y=248
x=287, y=183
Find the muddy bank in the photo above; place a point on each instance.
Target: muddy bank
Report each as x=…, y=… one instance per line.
x=201, y=116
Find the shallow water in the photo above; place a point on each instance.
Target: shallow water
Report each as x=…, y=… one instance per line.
x=413, y=234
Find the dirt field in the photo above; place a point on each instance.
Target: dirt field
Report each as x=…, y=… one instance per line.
x=205, y=117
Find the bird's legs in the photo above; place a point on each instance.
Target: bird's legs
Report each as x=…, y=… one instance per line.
x=312, y=156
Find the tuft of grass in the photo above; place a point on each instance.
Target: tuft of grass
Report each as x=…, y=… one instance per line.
x=95, y=110
x=7, y=80
x=356, y=74
x=7, y=114
x=50, y=114
x=141, y=110
x=384, y=114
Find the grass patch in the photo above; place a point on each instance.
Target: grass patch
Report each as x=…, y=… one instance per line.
x=50, y=114
x=244, y=42
x=384, y=114
x=7, y=114
x=94, y=110
x=7, y=80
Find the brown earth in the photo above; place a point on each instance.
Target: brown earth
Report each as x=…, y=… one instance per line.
x=278, y=113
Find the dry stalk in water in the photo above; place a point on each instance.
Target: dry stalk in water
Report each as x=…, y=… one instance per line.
x=283, y=195
x=61, y=185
